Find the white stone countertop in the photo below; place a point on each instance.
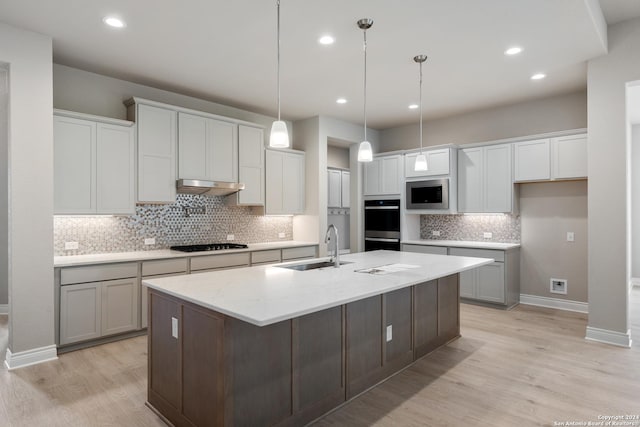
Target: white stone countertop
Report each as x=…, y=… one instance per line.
x=107, y=258
x=263, y=295
x=464, y=244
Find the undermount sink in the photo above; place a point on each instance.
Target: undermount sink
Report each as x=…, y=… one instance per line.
x=312, y=265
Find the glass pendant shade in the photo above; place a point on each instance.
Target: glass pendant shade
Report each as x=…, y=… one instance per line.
x=279, y=136
x=365, y=154
x=421, y=163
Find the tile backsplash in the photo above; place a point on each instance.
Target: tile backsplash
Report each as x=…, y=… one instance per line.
x=181, y=223
x=505, y=228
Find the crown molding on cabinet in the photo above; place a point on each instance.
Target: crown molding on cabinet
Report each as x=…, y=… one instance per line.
x=91, y=117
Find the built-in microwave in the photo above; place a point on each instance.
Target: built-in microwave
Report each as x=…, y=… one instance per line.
x=428, y=194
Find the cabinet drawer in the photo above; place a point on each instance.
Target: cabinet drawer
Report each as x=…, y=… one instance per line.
x=97, y=273
x=296, y=253
x=262, y=257
x=436, y=250
x=220, y=261
x=479, y=253
x=164, y=266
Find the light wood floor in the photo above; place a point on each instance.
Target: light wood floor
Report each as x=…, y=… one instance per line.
x=527, y=366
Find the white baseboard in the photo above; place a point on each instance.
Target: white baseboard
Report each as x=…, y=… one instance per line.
x=30, y=357
x=609, y=337
x=4, y=308
x=557, y=303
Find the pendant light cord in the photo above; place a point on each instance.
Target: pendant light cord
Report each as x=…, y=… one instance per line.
x=421, y=108
x=365, y=85
x=278, y=68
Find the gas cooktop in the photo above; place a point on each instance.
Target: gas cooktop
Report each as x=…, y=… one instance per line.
x=208, y=247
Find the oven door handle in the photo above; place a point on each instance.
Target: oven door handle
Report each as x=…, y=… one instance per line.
x=381, y=208
x=380, y=239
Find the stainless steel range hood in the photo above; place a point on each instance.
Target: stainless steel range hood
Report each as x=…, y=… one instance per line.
x=207, y=188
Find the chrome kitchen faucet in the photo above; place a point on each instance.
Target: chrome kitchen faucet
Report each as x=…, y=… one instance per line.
x=336, y=254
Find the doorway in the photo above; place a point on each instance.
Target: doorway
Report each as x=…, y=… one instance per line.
x=4, y=208
x=338, y=192
x=633, y=135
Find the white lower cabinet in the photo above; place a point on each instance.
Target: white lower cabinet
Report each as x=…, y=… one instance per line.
x=486, y=283
x=98, y=309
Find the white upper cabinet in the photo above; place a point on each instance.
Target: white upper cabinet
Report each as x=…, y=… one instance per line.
x=251, y=165
x=338, y=190
x=532, y=160
x=284, y=182
x=437, y=163
x=157, y=138
x=93, y=165
x=207, y=148
x=485, y=184
x=383, y=176
x=569, y=157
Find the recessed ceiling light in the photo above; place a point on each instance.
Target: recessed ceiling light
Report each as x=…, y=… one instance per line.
x=513, y=50
x=326, y=40
x=114, y=22
x=341, y=101
x=413, y=106
x=538, y=76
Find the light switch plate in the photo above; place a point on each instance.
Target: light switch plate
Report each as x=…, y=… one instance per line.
x=389, y=333
x=487, y=235
x=571, y=237
x=435, y=232
x=150, y=241
x=281, y=235
x=231, y=237
x=68, y=246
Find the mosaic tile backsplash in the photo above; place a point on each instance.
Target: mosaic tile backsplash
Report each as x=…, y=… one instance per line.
x=181, y=223
x=505, y=228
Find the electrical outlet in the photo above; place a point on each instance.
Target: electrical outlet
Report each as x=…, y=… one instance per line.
x=174, y=327
x=571, y=237
x=487, y=235
x=69, y=246
x=558, y=286
x=150, y=241
x=435, y=233
x=231, y=237
x=281, y=235
x=389, y=333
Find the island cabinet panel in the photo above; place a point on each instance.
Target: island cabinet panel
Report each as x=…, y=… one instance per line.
x=448, y=309
x=261, y=384
x=399, y=349
x=426, y=318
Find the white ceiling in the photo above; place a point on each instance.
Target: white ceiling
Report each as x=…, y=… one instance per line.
x=226, y=51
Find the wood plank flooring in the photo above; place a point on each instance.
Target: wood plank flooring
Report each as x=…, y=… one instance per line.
x=525, y=367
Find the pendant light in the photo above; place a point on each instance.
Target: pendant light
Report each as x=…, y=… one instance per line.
x=421, y=159
x=365, y=154
x=279, y=135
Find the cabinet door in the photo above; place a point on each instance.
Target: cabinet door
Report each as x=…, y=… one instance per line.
x=192, y=147
x=569, y=157
x=390, y=171
x=498, y=184
x=437, y=163
x=490, y=285
x=156, y=154
x=532, y=160
x=468, y=283
x=334, y=188
x=115, y=169
x=80, y=312
x=470, y=177
x=119, y=306
x=74, y=159
x=293, y=183
x=251, y=165
x=372, y=178
x=222, y=155
x=345, y=192
x=274, y=186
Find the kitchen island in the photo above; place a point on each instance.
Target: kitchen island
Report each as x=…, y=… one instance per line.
x=270, y=345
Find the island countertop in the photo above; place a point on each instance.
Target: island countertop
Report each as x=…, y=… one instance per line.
x=264, y=295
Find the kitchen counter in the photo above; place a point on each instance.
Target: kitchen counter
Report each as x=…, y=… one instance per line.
x=264, y=295
x=107, y=258
x=464, y=244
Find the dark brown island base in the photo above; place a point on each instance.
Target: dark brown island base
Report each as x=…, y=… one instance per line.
x=210, y=369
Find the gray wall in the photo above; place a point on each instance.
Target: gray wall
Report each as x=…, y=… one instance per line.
x=31, y=303
x=609, y=263
x=4, y=188
x=338, y=157
x=556, y=113
x=91, y=93
x=548, y=211
x=635, y=202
